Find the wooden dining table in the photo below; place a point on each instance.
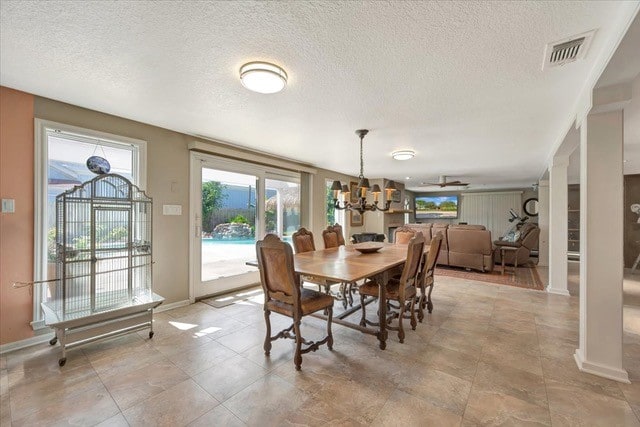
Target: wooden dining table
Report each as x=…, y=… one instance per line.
x=346, y=264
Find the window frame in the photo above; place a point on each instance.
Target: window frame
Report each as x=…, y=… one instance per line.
x=41, y=159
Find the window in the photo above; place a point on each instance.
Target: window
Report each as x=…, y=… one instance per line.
x=333, y=215
x=61, y=155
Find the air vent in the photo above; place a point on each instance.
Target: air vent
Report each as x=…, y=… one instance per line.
x=567, y=50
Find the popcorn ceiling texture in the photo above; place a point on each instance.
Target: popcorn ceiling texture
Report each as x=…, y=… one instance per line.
x=458, y=82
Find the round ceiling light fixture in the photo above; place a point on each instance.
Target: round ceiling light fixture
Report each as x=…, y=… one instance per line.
x=403, y=154
x=263, y=77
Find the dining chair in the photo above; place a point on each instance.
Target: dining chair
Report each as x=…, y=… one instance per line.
x=333, y=238
x=284, y=295
x=426, y=279
x=402, y=289
x=303, y=242
x=402, y=235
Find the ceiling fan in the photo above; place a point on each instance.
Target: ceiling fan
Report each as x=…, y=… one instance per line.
x=442, y=182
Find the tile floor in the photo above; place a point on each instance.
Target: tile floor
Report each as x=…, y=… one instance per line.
x=488, y=355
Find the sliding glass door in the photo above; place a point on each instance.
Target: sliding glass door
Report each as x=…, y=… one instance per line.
x=233, y=204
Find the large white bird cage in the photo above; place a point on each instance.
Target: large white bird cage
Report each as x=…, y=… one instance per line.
x=103, y=280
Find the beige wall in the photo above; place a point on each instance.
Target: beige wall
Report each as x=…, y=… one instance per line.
x=167, y=183
x=16, y=229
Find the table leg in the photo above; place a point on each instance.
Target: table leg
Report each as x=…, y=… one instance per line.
x=382, y=310
x=502, y=253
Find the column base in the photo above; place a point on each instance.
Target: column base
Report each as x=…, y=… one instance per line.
x=557, y=291
x=615, y=374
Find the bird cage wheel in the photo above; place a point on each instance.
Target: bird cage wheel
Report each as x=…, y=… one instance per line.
x=62, y=361
x=151, y=334
x=53, y=341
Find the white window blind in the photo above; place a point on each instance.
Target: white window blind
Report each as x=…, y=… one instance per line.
x=491, y=210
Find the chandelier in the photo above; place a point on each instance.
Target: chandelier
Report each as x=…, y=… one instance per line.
x=363, y=186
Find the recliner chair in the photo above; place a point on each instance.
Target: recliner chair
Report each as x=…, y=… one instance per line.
x=526, y=241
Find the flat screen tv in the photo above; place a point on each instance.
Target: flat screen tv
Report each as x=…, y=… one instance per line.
x=436, y=207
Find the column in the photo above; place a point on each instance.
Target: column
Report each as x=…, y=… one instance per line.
x=543, y=223
x=601, y=240
x=558, y=217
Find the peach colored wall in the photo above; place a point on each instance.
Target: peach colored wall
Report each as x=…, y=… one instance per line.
x=16, y=229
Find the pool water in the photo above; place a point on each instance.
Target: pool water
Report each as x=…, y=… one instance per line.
x=210, y=241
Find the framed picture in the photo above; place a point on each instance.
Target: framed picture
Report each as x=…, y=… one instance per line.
x=357, y=219
x=353, y=195
x=396, y=196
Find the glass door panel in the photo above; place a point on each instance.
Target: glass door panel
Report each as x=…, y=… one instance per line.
x=282, y=207
x=228, y=229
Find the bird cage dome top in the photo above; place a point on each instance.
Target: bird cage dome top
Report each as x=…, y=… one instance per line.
x=107, y=186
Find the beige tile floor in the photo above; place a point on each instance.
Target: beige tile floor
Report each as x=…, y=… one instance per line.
x=488, y=355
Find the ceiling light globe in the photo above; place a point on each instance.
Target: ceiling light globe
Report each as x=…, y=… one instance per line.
x=403, y=154
x=263, y=77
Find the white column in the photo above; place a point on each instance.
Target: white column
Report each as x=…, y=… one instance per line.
x=543, y=222
x=601, y=241
x=558, y=217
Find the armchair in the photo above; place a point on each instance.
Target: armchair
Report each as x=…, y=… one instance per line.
x=526, y=240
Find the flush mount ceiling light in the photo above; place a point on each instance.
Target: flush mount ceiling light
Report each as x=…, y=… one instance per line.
x=263, y=77
x=403, y=154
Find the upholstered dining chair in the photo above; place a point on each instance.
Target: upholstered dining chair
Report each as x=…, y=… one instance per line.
x=284, y=295
x=402, y=235
x=333, y=238
x=403, y=289
x=303, y=242
x=425, y=279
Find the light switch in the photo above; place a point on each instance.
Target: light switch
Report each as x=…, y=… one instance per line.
x=171, y=209
x=8, y=205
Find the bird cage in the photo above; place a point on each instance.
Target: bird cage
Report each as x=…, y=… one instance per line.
x=103, y=260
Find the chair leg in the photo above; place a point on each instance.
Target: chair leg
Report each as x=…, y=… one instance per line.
x=329, y=333
x=429, y=303
x=267, y=339
x=297, y=358
x=364, y=312
x=413, y=313
x=343, y=294
x=420, y=306
x=400, y=329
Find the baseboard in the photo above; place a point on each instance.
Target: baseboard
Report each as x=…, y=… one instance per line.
x=614, y=374
x=557, y=291
x=164, y=307
x=18, y=345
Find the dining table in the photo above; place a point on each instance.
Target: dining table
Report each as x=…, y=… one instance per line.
x=348, y=264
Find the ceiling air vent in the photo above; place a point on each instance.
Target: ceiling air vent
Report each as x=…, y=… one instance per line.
x=567, y=50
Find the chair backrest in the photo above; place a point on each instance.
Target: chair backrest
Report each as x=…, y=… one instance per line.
x=431, y=259
x=303, y=241
x=530, y=240
x=277, y=274
x=415, y=250
x=338, y=229
x=402, y=235
x=330, y=238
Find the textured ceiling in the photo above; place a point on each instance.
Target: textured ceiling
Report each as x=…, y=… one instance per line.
x=458, y=82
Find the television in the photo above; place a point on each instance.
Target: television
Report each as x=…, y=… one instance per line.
x=437, y=207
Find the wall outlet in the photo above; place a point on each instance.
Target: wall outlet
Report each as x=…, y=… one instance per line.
x=8, y=205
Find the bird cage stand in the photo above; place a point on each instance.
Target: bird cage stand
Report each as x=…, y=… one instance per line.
x=103, y=284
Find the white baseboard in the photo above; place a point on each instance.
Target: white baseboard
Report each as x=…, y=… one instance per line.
x=615, y=374
x=164, y=307
x=17, y=345
x=557, y=291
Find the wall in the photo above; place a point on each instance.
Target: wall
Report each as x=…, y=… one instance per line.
x=16, y=229
x=167, y=183
x=631, y=225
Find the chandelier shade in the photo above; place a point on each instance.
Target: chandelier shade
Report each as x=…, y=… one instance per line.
x=363, y=187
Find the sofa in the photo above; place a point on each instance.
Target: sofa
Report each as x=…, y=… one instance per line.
x=467, y=246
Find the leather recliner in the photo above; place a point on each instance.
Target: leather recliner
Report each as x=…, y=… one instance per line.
x=527, y=240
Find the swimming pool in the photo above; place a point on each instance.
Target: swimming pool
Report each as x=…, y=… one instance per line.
x=211, y=241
